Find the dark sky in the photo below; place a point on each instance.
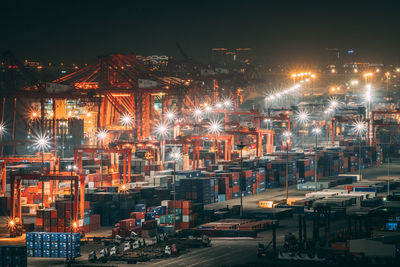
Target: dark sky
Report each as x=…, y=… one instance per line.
x=278, y=31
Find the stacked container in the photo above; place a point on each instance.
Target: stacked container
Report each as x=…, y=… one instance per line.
x=52, y=245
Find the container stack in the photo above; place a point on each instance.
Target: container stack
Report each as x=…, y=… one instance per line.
x=306, y=169
x=13, y=256
x=52, y=245
x=46, y=220
x=200, y=190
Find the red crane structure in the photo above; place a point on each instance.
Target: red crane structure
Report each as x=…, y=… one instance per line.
x=127, y=157
x=54, y=165
x=376, y=123
x=15, y=190
x=340, y=119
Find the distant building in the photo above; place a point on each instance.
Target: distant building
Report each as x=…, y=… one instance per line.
x=360, y=67
x=226, y=57
x=243, y=55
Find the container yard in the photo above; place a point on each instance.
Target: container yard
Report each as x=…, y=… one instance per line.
x=184, y=160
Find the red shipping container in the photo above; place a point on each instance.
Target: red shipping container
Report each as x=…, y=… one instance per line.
x=127, y=224
x=350, y=187
x=140, y=215
x=235, y=188
x=178, y=204
x=184, y=225
x=186, y=211
x=187, y=204
x=53, y=214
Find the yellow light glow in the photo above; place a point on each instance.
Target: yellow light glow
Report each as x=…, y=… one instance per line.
x=333, y=70
x=368, y=74
x=123, y=187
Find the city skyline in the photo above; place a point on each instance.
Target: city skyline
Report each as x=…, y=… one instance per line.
x=292, y=32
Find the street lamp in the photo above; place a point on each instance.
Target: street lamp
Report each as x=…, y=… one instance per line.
x=71, y=168
x=176, y=156
x=3, y=130
x=359, y=128
x=197, y=113
x=170, y=115
x=101, y=136
x=286, y=136
x=368, y=98
x=42, y=143
x=387, y=75
x=227, y=103
x=208, y=109
x=303, y=117
x=316, y=131
x=333, y=103
x=161, y=131
x=241, y=146
x=215, y=127
x=126, y=120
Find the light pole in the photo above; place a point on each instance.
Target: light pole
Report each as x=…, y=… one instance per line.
x=241, y=146
x=303, y=118
x=126, y=120
x=286, y=136
x=316, y=131
x=42, y=142
x=215, y=127
x=359, y=128
x=387, y=74
x=101, y=136
x=2, y=132
x=176, y=155
x=72, y=224
x=161, y=131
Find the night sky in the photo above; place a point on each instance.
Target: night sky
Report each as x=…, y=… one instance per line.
x=278, y=31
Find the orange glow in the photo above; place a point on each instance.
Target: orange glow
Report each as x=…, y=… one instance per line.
x=87, y=85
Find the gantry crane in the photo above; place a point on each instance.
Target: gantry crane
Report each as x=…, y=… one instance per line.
x=15, y=191
x=376, y=123
x=4, y=161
